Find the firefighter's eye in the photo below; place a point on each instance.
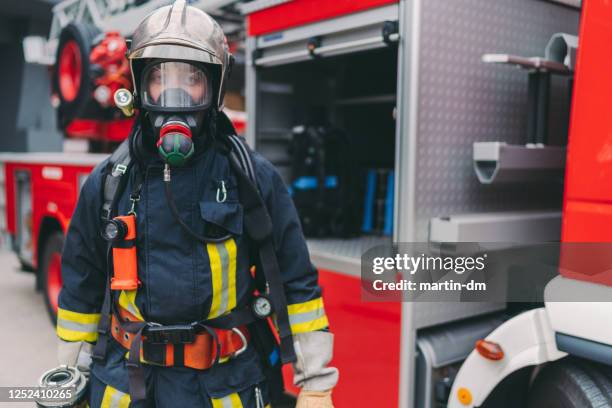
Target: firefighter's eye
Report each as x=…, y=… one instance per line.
x=190, y=80
x=155, y=77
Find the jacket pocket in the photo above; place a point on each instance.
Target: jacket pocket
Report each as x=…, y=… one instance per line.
x=218, y=217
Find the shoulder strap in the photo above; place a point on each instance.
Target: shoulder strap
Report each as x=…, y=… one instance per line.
x=240, y=151
x=258, y=225
x=118, y=165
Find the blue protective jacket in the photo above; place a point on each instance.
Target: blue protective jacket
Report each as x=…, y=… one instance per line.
x=184, y=280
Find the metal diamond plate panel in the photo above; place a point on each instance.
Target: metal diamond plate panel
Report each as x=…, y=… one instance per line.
x=462, y=100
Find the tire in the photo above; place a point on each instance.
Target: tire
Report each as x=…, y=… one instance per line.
x=572, y=383
x=72, y=79
x=50, y=272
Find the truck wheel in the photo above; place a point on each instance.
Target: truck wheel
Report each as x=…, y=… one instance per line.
x=572, y=383
x=72, y=79
x=51, y=272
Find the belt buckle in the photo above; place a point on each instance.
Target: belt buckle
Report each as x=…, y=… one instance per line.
x=175, y=334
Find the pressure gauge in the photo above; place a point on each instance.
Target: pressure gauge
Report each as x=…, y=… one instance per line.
x=262, y=307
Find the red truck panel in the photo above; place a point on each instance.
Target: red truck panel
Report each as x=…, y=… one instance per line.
x=112, y=131
x=587, y=215
x=591, y=223
x=53, y=197
x=300, y=12
x=589, y=160
x=366, y=345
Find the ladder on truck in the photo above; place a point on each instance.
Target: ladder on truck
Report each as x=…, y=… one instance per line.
x=122, y=16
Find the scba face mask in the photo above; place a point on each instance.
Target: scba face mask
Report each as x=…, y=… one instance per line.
x=177, y=96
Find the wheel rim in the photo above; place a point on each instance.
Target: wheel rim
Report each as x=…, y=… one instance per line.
x=69, y=71
x=54, y=280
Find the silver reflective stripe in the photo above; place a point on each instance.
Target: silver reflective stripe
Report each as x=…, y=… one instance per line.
x=116, y=399
x=224, y=277
x=227, y=402
x=78, y=327
x=306, y=316
x=132, y=309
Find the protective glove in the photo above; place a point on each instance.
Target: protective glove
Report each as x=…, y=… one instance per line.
x=314, y=351
x=314, y=399
x=75, y=354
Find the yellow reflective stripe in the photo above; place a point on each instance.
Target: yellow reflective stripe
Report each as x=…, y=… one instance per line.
x=307, y=316
x=215, y=271
x=114, y=398
x=230, y=401
x=74, y=326
x=222, y=258
x=309, y=306
x=127, y=300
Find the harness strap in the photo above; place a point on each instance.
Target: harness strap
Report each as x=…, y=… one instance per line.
x=134, y=335
x=118, y=165
x=98, y=352
x=190, y=346
x=240, y=149
x=136, y=375
x=259, y=227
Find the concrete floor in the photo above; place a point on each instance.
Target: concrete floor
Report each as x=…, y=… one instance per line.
x=27, y=337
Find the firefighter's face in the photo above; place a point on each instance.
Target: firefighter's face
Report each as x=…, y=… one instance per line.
x=176, y=85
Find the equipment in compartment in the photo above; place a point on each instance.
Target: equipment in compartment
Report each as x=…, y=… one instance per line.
x=351, y=98
x=323, y=179
x=378, y=204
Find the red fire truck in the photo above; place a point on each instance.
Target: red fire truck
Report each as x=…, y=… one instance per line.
x=478, y=152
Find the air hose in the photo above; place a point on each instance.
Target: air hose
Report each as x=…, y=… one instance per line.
x=177, y=216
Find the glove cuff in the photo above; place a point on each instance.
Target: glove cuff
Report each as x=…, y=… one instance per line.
x=314, y=351
x=74, y=354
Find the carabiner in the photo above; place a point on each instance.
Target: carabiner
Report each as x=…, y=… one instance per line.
x=244, y=342
x=223, y=191
x=134, y=200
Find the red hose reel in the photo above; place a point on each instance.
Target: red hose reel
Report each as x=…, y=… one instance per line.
x=111, y=68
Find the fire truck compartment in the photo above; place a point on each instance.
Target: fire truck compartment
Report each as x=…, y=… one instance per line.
x=356, y=93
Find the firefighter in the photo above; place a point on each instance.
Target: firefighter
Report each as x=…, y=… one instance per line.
x=166, y=337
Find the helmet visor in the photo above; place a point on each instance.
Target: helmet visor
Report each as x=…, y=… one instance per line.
x=176, y=85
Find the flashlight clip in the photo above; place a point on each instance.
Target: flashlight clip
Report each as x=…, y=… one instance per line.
x=133, y=199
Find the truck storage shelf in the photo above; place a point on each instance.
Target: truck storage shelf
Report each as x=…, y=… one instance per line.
x=343, y=255
x=275, y=131
x=274, y=140
x=367, y=100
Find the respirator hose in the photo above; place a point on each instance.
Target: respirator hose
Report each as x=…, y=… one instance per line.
x=184, y=226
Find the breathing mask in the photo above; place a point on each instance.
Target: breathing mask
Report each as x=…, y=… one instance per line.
x=177, y=96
